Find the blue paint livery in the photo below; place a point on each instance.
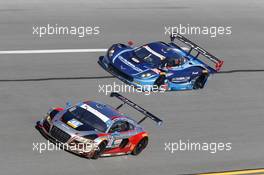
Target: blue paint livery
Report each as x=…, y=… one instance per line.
x=123, y=62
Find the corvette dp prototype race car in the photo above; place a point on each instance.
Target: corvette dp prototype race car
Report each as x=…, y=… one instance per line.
x=93, y=129
x=164, y=65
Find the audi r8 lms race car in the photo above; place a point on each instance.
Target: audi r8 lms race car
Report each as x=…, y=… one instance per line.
x=93, y=129
x=164, y=65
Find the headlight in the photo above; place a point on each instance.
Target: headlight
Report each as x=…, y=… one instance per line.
x=110, y=52
x=146, y=75
x=51, y=114
x=82, y=140
x=48, y=118
x=91, y=136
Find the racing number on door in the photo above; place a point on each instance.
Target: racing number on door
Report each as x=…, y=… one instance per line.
x=120, y=130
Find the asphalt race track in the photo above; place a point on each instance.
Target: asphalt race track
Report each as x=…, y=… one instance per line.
x=229, y=109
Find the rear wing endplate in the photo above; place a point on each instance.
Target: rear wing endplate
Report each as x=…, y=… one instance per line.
x=218, y=63
x=137, y=107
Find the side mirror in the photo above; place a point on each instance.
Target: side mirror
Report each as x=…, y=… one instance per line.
x=172, y=38
x=68, y=104
x=49, y=111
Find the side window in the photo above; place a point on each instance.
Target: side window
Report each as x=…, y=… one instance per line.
x=121, y=126
x=183, y=60
x=176, y=62
x=131, y=126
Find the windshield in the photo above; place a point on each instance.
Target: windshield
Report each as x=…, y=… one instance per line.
x=88, y=118
x=143, y=54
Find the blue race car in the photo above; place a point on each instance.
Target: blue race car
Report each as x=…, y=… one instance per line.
x=168, y=66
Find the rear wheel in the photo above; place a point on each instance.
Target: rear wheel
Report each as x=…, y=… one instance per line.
x=142, y=144
x=199, y=82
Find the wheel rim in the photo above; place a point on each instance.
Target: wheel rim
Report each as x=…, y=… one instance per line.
x=100, y=151
x=160, y=81
x=141, y=145
x=199, y=82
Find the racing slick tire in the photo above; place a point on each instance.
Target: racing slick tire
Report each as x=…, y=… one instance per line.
x=199, y=82
x=142, y=144
x=160, y=81
x=100, y=151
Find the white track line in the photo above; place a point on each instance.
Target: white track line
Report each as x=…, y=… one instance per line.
x=52, y=51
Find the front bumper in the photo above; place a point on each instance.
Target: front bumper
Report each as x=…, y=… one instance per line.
x=128, y=79
x=67, y=145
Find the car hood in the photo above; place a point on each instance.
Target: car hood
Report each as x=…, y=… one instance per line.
x=69, y=119
x=129, y=64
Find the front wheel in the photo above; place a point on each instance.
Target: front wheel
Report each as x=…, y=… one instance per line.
x=100, y=150
x=160, y=81
x=142, y=144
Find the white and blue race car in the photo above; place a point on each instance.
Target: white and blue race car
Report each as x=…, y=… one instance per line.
x=164, y=65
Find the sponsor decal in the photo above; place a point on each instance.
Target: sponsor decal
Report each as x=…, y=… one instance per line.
x=65, y=126
x=180, y=79
x=126, y=62
x=95, y=112
x=74, y=123
x=117, y=142
x=157, y=71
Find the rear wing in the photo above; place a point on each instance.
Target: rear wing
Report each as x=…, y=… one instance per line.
x=137, y=107
x=218, y=63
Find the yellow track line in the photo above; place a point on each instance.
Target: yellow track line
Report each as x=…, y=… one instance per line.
x=236, y=172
